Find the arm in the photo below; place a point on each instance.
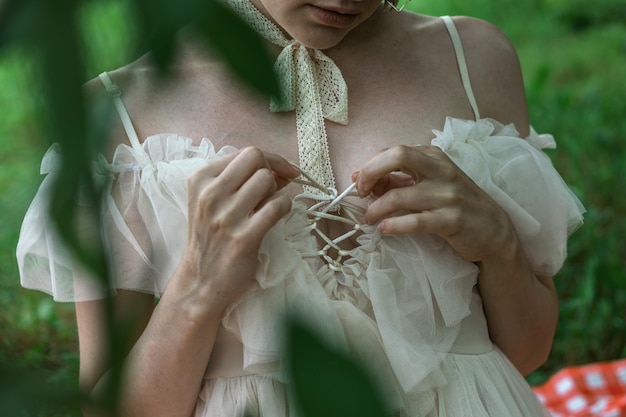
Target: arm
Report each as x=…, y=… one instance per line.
x=521, y=308
x=232, y=205
x=495, y=73
x=164, y=365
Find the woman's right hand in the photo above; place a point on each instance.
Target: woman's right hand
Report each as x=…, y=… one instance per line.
x=232, y=204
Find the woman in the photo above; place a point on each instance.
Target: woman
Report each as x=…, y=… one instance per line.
x=437, y=273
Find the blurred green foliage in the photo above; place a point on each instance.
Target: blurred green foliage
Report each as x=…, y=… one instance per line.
x=574, y=61
x=49, y=37
x=328, y=383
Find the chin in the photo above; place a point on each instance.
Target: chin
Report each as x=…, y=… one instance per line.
x=320, y=46
x=321, y=41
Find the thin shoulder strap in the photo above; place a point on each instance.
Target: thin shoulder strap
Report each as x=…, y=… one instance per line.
x=115, y=93
x=460, y=58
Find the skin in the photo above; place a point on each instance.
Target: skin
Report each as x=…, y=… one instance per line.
x=400, y=65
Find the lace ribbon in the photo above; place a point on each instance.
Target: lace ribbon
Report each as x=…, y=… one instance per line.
x=313, y=86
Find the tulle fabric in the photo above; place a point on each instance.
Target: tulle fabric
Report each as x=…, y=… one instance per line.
x=522, y=180
x=406, y=305
x=484, y=385
x=144, y=220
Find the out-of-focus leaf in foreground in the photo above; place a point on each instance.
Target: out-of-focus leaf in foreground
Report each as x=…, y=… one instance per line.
x=218, y=26
x=25, y=392
x=49, y=32
x=327, y=383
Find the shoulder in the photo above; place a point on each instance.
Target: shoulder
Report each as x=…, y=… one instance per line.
x=131, y=80
x=485, y=46
x=175, y=103
x=151, y=100
x=135, y=84
x=491, y=58
x=487, y=49
x=474, y=32
x=495, y=72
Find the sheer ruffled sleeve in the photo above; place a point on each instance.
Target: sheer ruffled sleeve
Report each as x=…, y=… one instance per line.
x=143, y=221
x=520, y=177
x=46, y=264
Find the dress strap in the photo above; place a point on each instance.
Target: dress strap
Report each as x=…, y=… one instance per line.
x=115, y=93
x=460, y=58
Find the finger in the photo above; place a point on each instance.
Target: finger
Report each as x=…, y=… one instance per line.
x=437, y=222
x=215, y=167
x=376, y=169
x=259, y=187
x=267, y=215
x=282, y=168
x=391, y=181
x=426, y=195
x=415, y=161
x=281, y=182
x=246, y=162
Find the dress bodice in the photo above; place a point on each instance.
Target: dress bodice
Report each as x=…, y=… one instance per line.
x=227, y=356
x=407, y=305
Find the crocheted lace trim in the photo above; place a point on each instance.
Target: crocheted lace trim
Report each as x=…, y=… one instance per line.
x=312, y=85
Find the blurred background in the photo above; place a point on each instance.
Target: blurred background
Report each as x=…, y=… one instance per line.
x=573, y=54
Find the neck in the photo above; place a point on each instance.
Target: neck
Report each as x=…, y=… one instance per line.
x=361, y=35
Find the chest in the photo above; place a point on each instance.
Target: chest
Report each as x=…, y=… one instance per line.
x=385, y=108
x=384, y=111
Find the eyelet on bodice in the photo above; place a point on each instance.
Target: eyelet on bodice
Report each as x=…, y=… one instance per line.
x=330, y=205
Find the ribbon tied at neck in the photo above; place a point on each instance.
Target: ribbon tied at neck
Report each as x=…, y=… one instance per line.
x=313, y=86
x=296, y=65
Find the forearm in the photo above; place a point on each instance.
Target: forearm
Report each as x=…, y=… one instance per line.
x=163, y=371
x=232, y=204
x=521, y=307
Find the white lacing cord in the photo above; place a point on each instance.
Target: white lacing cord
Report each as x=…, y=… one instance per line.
x=327, y=204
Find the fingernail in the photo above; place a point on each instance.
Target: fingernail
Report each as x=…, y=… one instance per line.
x=294, y=170
x=360, y=187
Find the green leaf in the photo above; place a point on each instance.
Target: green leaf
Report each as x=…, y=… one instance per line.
x=219, y=27
x=241, y=47
x=63, y=74
x=160, y=20
x=20, y=21
x=27, y=392
x=327, y=383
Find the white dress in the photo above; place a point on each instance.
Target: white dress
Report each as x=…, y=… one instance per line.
x=406, y=305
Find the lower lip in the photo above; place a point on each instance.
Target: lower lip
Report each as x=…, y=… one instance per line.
x=333, y=19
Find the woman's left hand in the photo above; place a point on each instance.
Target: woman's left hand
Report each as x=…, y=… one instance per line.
x=420, y=190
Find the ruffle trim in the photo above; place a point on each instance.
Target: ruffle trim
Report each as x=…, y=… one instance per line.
x=143, y=185
x=407, y=307
x=406, y=295
x=484, y=385
x=521, y=178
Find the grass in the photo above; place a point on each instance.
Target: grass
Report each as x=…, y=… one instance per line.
x=577, y=92
x=574, y=61
x=573, y=66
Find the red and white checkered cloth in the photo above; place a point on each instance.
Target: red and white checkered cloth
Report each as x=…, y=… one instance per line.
x=595, y=390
